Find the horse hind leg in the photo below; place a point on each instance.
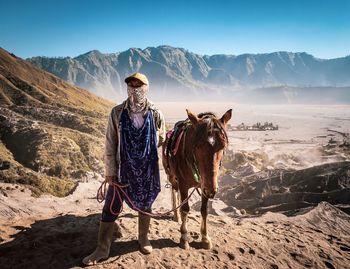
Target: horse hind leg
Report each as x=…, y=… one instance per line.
x=174, y=182
x=184, y=233
x=206, y=241
x=175, y=199
x=184, y=216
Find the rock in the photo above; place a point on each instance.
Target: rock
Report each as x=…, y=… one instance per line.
x=5, y=165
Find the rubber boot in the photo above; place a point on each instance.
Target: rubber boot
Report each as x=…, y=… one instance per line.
x=145, y=245
x=105, y=235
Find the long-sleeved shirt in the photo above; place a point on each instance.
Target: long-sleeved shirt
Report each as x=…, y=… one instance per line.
x=112, y=142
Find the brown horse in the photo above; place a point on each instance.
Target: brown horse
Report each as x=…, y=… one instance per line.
x=196, y=164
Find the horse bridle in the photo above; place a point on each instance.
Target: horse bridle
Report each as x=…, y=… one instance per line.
x=195, y=159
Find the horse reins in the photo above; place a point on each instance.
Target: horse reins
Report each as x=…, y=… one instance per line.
x=118, y=189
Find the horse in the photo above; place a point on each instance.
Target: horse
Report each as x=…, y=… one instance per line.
x=192, y=160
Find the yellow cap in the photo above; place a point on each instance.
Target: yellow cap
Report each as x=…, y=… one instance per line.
x=138, y=76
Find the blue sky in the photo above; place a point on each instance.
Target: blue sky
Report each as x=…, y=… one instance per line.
x=69, y=28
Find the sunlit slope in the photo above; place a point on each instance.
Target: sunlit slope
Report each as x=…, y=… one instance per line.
x=52, y=133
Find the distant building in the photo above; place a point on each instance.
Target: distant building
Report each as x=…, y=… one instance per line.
x=267, y=126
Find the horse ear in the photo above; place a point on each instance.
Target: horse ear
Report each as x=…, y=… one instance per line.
x=193, y=118
x=226, y=117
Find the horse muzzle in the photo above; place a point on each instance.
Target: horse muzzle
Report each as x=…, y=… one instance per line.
x=209, y=193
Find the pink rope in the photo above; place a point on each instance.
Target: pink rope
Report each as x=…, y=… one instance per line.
x=101, y=196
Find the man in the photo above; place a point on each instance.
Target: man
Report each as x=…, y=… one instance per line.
x=135, y=129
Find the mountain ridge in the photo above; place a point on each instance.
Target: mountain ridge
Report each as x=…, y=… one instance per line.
x=173, y=71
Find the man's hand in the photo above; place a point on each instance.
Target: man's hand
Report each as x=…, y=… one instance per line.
x=110, y=179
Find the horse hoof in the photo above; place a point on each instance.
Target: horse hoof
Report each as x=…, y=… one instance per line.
x=184, y=244
x=207, y=244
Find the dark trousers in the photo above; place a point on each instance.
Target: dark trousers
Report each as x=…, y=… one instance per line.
x=107, y=215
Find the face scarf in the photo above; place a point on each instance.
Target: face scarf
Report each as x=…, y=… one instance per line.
x=137, y=98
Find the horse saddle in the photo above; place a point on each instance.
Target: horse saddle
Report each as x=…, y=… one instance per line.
x=174, y=137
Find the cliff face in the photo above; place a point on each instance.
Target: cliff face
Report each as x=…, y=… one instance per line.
x=50, y=131
x=176, y=73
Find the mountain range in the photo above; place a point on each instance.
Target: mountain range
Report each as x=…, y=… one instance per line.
x=176, y=73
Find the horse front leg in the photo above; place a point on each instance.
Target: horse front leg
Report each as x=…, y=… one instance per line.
x=206, y=241
x=184, y=216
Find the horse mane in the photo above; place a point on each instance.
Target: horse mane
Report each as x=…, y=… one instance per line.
x=206, y=114
x=210, y=122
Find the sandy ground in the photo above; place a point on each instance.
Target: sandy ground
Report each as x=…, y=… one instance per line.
x=61, y=238
x=19, y=206
x=51, y=232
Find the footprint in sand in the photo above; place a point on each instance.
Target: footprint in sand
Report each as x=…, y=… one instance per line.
x=241, y=250
x=316, y=230
x=230, y=255
x=194, y=235
x=344, y=247
x=215, y=258
x=329, y=265
x=215, y=251
x=324, y=255
x=251, y=251
x=333, y=238
x=302, y=259
x=128, y=260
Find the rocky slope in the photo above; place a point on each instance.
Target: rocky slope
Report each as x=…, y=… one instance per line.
x=287, y=192
x=176, y=73
x=50, y=131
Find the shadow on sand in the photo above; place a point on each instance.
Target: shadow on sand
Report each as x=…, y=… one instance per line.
x=62, y=242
